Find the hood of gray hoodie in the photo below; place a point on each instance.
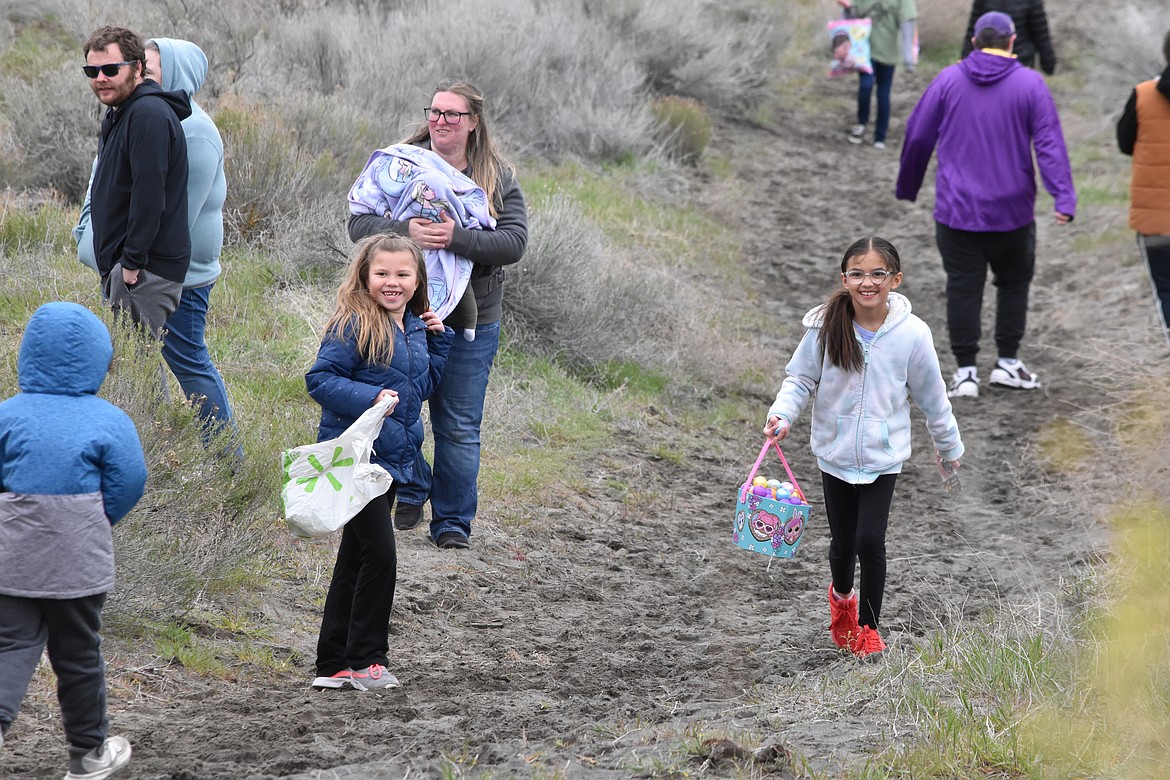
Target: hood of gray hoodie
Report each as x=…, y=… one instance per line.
x=184, y=65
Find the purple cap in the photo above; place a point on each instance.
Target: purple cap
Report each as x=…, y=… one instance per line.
x=998, y=21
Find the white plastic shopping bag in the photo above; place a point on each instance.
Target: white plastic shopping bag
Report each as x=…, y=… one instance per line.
x=327, y=483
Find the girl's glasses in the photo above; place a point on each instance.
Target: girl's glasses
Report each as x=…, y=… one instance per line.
x=452, y=117
x=857, y=277
x=109, y=70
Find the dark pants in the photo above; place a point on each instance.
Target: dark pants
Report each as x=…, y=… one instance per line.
x=356, y=624
x=858, y=516
x=71, y=630
x=883, y=76
x=1156, y=253
x=149, y=302
x=966, y=256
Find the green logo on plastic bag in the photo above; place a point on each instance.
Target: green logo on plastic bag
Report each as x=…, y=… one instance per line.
x=310, y=483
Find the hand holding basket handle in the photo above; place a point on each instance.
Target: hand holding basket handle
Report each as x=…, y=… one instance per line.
x=771, y=442
x=777, y=428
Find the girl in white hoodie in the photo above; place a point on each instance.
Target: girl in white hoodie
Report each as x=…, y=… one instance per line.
x=864, y=356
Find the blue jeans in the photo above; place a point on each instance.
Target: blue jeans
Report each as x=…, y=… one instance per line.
x=456, y=414
x=185, y=351
x=884, y=76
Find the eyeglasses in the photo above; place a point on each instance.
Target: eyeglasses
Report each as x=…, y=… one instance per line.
x=109, y=70
x=857, y=277
x=452, y=117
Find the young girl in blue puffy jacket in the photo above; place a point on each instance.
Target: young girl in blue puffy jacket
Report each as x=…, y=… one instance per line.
x=382, y=340
x=863, y=358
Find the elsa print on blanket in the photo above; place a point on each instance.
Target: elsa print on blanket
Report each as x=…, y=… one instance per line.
x=402, y=182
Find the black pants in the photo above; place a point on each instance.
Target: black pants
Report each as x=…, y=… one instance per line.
x=71, y=630
x=1156, y=252
x=356, y=624
x=858, y=516
x=966, y=256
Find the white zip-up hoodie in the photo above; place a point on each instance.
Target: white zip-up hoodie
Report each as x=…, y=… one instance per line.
x=861, y=420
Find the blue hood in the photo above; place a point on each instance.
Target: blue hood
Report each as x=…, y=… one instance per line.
x=984, y=68
x=66, y=350
x=184, y=65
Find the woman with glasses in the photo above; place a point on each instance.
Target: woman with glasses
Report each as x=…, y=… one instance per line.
x=455, y=127
x=863, y=358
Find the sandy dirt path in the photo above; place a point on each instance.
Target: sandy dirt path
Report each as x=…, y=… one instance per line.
x=618, y=635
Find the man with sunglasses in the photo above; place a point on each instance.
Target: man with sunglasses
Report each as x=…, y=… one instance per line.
x=138, y=195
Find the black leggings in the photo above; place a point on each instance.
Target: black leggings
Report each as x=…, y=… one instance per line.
x=858, y=516
x=355, y=625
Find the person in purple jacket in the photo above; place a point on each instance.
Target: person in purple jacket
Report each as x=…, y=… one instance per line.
x=986, y=114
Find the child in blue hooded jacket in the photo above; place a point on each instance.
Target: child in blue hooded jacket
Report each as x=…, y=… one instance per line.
x=382, y=340
x=863, y=358
x=71, y=466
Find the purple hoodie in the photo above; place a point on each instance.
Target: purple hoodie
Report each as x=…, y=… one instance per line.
x=985, y=113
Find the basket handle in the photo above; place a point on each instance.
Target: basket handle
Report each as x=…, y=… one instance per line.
x=764, y=451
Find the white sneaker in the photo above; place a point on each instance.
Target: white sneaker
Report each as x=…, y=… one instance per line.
x=1017, y=376
x=102, y=761
x=879, y=145
x=963, y=385
x=856, y=134
x=334, y=681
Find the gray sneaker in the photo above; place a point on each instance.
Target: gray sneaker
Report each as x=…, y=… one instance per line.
x=373, y=678
x=102, y=761
x=857, y=134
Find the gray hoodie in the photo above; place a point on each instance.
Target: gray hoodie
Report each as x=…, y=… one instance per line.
x=861, y=419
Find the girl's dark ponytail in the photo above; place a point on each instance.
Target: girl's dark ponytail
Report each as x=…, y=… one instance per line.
x=836, y=339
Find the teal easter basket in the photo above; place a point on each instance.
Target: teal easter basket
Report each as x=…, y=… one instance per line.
x=764, y=523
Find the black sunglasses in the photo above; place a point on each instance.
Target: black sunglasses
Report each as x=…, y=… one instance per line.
x=109, y=70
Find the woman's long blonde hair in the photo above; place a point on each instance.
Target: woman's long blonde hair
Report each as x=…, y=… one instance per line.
x=485, y=162
x=372, y=326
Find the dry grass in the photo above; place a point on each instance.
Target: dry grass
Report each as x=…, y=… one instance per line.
x=942, y=24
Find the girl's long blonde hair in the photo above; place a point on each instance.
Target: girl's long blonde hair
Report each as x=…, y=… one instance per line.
x=372, y=326
x=485, y=162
